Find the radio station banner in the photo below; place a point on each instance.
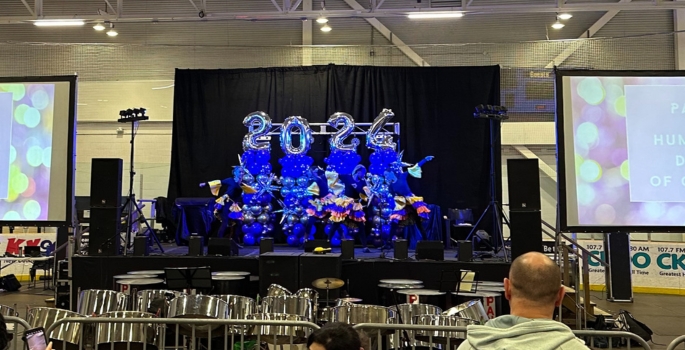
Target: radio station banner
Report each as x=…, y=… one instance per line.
x=11, y=242
x=655, y=265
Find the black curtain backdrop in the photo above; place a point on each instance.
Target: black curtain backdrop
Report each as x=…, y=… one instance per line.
x=434, y=105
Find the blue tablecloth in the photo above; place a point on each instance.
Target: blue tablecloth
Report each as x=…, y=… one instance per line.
x=192, y=215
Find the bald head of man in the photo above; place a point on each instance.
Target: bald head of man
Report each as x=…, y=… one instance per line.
x=534, y=286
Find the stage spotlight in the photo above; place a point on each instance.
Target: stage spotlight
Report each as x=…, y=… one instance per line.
x=558, y=25
x=564, y=16
x=326, y=28
x=99, y=27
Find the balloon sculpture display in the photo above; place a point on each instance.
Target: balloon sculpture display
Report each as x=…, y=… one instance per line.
x=295, y=179
x=257, y=181
x=336, y=196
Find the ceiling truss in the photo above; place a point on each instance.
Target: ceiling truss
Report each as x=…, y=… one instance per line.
x=289, y=9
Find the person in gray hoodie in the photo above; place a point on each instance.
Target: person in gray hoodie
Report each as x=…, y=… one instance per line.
x=534, y=290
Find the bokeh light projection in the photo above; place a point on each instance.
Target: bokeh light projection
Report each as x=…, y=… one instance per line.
x=25, y=179
x=624, y=169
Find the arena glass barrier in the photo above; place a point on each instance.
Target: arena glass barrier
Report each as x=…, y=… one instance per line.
x=677, y=341
x=12, y=328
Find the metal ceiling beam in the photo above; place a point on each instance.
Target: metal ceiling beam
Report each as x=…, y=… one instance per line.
x=589, y=33
x=358, y=12
x=307, y=34
x=28, y=7
x=111, y=7
x=408, y=51
x=38, y=9
x=679, y=44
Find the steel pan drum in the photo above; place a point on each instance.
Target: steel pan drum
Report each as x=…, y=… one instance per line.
x=492, y=302
x=278, y=334
x=8, y=311
x=64, y=334
x=324, y=315
x=345, y=301
x=133, y=277
x=489, y=284
x=95, y=301
x=359, y=313
x=308, y=293
x=239, y=307
x=441, y=336
x=118, y=335
x=132, y=286
x=400, y=281
x=144, y=299
x=409, y=311
x=230, y=273
x=198, y=306
x=277, y=290
x=227, y=285
x=424, y=296
x=147, y=272
x=472, y=310
x=290, y=305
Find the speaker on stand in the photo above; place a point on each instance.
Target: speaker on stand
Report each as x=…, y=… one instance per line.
x=105, y=206
x=525, y=228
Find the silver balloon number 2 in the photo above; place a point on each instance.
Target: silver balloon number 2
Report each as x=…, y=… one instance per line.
x=337, y=141
x=259, y=125
x=305, y=133
x=377, y=140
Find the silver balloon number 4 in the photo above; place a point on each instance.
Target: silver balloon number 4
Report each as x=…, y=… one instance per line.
x=375, y=138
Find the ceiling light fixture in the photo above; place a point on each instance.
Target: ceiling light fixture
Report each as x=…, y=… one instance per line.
x=99, y=27
x=435, y=15
x=326, y=28
x=59, y=23
x=111, y=31
x=564, y=16
x=558, y=25
x=322, y=20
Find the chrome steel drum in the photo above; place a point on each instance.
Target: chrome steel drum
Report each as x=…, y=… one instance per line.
x=133, y=277
x=227, y=285
x=8, y=311
x=409, y=311
x=119, y=335
x=95, y=301
x=359, y=313
x=239, y=307
x=422, y=296
x=144, y=299
x=492, y=301
x=198, y=306
x=230, y=273
x=387, y=293
x=132, y=286
x=65, y=333
x=324, y=315
x=277, y=290
x=278, y=334
x=472, y=310
x=308, y=293
x=489, y=284
x=290, y=305
x=147, y=272
x=441, y=336
x=400, y=281
x=345, y=301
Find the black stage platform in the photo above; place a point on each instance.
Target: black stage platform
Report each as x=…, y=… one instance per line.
x=361, y=275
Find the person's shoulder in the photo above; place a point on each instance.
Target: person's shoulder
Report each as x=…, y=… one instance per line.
x=574, y=344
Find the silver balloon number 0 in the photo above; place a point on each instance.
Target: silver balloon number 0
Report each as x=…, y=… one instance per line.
x=337, y=141
x=374, y=139
x=258, y=124
x=306, y=137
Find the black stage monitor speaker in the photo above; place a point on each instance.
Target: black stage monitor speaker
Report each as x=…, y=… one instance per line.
x=347, y=248
x=279, y=268
x=266, y=245
x=195, y=246
x=401, y=249
x=105, y=182
x=465, y=251
x=315, y=266
x=104, y=237
x=619, y=277
x=524, y=184
x=222, y=246
x=309, y=246
x=140, y=246
x=430, y=250
x=526, y=232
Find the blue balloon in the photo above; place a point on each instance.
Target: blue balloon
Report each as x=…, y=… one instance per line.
x=335, y=241
x=293, y=240
x=298, y=229
x=248, y=239
x=328, y=229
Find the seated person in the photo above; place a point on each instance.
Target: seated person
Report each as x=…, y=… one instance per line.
x=534, y=290
x=334, y=336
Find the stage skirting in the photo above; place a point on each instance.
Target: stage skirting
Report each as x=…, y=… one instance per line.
x=362, y=276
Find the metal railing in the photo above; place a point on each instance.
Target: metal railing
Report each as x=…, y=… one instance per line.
x=592, y=334
x=17, y=335
x=677, y=341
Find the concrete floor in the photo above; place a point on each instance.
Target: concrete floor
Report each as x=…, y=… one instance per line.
x=664, y=314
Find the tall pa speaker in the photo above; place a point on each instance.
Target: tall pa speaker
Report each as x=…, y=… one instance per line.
x=524, y=184
x=105, y=182
x=619, y=276
x=104, y=237
x=526, y=232
x=279, y=268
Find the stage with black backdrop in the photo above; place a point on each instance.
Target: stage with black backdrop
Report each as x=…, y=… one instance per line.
x=434, y=106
